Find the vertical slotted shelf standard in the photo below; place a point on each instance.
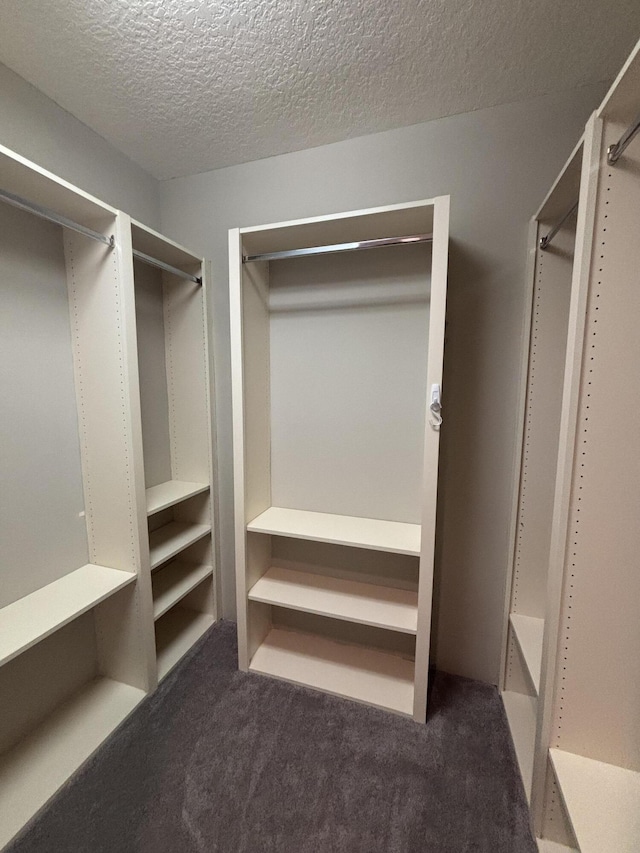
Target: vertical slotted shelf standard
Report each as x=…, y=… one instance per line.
x=335, y=459
x=176, y=426
x=75, y=655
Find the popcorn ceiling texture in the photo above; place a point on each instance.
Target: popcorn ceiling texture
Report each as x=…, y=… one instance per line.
x=184, y=86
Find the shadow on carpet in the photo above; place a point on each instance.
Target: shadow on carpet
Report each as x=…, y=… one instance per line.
x=219, y=761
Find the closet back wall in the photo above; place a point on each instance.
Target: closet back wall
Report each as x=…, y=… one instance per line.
x=497, y=165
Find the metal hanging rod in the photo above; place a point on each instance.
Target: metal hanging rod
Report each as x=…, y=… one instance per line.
x=154, y=262
x=544, y=241
x=339, y=247
x=52, y=216
x=614, y=152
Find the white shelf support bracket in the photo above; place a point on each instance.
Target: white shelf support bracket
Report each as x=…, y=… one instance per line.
x=435, y=407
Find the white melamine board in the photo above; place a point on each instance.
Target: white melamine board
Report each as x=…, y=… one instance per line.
x=602, y=802
x=349, y=342
x=173, y=582
x=353, y=672
x=172, y=492
x=176, y=633
x=150, y=242
x=169, y=540
x=154, y=400
x=36, y=616
x=521, y=714
x=546, y=846
x=22, y=177
x=395, y=220
x=33, y=771
x=39, y=439
x=372, y=533
x=382, y=606
x=529, y=632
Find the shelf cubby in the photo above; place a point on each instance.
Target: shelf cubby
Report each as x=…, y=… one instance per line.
x=34, y=617
x=340, y=598
x=176, y=632
x=175, y=581
x=395, y=537
x=351, y=671
x=171, y=539
x=168, y=494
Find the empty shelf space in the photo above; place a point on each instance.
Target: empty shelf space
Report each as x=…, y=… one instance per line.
x=167, y=541
x=173, y=582
x=392, y=536
x=521, y=714
x=165, y=495
x=34, y=617
x=529, y=632
x=353, y=672
x=176, y=633
x=32, y=771
x=602, y=802
x=352, y=601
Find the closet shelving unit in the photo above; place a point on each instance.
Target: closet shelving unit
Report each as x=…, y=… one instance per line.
x=550, y=271
x=335, y=449
x=586, y=767
x=177, y=440
x=77, y=650
x=75, y=658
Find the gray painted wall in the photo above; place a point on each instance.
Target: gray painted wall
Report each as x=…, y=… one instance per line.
x=497, y=164
x=38, y=129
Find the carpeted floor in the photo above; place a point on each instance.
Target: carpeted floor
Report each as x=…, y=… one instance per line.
x=218, y=761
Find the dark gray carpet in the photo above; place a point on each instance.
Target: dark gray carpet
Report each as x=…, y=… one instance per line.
x=218, y=761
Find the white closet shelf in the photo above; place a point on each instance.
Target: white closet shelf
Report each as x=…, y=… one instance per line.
x=349, y=600
x=176, y=632
x=165, y=495
x=521, y=714
x=353, y=672
x=602, y=802
x=171, y=539
x=33, y=770
x=173, y=582
x=529, y=632
x=546, y=846
x=34, y=617
x=392, y=536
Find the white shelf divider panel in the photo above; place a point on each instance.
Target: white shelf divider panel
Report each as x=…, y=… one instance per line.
x=165, y=495
x=34, y=617
x=176, y=633
x=373, y=534
x=602, y=802
x=32, y=771
x=529, y=632
x=351, y=601
x=171, y=584
x=168, y=541
x=353, y=672
x=521, y=714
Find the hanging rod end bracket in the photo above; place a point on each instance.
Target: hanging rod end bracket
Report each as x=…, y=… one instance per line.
x=612, y=154
x=112, y=241
x=542, y=243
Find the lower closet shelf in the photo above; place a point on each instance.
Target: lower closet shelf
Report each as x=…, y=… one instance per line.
x=529, y=633
x=166, y=542
x=349, y=600
x=33, y=770
x=602, y=802
x=353, y=672
x=521, y=714
x=176, y=633
x=172, y=583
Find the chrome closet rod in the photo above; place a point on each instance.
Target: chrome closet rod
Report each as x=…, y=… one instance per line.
x=544, y=241
x=614, y=152
x=52, y=216
x=154, y=262
x=339, y=247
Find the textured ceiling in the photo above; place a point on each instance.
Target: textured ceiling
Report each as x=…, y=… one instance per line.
x=183, y=86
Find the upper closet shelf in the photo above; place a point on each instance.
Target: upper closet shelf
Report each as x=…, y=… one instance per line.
x=529, y=632
x=349, y=600
x=370, y=533
x=34, y=617
x=602, y=801
x=172, y=492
